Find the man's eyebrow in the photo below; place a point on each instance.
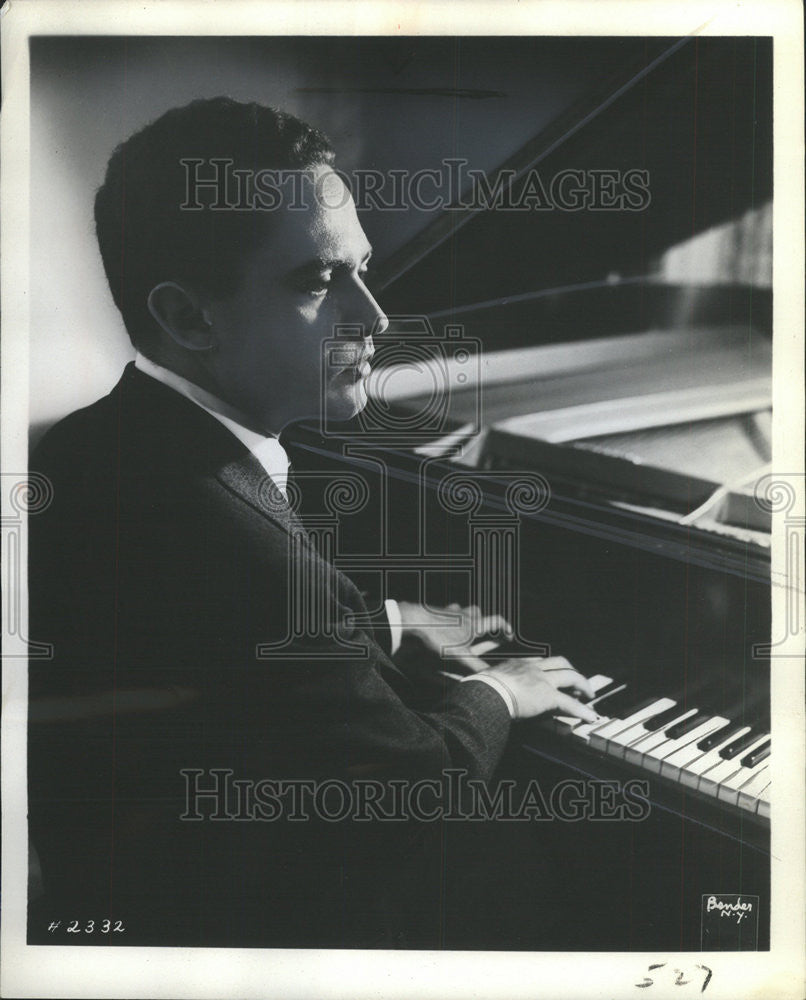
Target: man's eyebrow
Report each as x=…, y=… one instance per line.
x=329, y=263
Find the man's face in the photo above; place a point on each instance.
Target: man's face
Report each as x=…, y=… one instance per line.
x=305, y=281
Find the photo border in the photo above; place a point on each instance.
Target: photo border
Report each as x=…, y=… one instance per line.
x=56, y=971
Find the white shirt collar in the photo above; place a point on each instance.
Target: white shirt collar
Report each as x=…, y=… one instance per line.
x=266, y=448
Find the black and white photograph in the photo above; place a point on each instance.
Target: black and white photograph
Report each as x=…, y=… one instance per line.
x=403, y=500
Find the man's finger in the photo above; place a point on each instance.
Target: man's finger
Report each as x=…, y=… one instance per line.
x=569, y=678
x=583, y=684
x=570, y=706
x=492, y=623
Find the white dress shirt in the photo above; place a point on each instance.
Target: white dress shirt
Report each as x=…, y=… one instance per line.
x=265, y=447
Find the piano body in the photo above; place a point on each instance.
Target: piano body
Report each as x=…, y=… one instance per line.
x=616, y=368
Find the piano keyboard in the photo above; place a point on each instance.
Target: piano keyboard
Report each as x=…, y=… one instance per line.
x=688, y=746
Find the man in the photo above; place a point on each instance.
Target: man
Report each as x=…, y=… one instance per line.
x=168, y=559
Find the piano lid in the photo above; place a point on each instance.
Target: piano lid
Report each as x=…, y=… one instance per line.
x=626, y=352
x=693, y=115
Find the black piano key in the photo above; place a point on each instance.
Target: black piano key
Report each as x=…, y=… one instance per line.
x=718, y=736
x=659, y=721
x=736, y=747
x=681, y=728
x=604, y=692
x=615, y=705
x=757, y=755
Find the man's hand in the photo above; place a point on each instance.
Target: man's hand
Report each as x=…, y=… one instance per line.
x=451, y=631
x=533, y=683
x=534, y=686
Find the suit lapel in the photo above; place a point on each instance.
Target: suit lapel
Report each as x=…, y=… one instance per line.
x=173, y=432
x=247, y=479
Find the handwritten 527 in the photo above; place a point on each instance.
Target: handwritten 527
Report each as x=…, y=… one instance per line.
x=702, y=976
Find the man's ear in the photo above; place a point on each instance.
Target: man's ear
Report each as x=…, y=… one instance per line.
x=179, y=314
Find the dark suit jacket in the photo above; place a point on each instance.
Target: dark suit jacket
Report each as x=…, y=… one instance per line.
x=165, y=559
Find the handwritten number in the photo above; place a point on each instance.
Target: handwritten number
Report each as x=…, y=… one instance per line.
x=647, y=980
x=679, y=980
x=707, y=978
x=105, y=926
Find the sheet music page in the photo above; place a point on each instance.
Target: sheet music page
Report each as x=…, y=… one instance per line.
x=404, y=717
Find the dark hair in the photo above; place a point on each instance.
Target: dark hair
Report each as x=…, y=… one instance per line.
x=143, y=233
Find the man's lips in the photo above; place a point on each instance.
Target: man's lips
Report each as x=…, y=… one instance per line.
x=360, y=370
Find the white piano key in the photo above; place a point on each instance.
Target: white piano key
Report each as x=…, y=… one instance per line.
x=570, y=725
x=607, y=734
x=690, y=774
x=618, y=742
x=565, y=723
x=598, y=682
x=764, y=802
x=711, y=779
x=583, y=731
x=729, y=789
x=679, y=759
x=656, y=757
x=750, y=790
x=636, y=752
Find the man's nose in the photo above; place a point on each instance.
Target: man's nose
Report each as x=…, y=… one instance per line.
x=381, y=322
x=372, y=318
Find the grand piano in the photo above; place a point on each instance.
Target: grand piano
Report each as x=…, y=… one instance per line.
x=570, y=423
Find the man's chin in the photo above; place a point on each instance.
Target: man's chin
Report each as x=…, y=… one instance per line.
x=347, y=402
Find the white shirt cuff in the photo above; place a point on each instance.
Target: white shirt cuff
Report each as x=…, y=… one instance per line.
x=498, y=686
x=395, y=624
